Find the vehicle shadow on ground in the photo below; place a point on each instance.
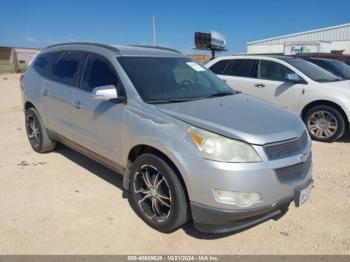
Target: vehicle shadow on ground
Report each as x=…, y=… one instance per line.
x=344, y=139
x=94, y=167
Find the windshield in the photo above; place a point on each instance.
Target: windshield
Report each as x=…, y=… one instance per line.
x=172, y=79
x=336, y=67
x=313, y=71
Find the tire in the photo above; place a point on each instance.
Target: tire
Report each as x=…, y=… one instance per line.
x=331, y=120
x=172, y=212
x=38, y=139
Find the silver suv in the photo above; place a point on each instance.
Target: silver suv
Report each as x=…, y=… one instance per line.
x=188, y=146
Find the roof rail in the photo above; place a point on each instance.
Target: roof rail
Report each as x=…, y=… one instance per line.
x=158, y=47
x=112, y=48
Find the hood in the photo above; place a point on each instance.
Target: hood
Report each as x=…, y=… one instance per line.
x=238, y=117
x=340, y=86
x=337, y=90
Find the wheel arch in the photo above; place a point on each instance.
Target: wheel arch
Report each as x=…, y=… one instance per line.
x=28, y=105
x=325, y=103
x=140, y=149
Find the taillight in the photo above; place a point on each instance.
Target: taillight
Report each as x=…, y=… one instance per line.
x=21, y=77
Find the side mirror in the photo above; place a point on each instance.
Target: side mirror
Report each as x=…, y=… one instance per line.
x=104, y=93
x=293, y=78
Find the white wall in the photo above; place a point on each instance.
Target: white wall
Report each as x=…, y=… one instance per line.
x=265, y=49
x=341, y=45
x=279, y=48
x=26, y=54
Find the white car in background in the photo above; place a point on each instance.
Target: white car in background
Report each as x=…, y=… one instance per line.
x=319, y=97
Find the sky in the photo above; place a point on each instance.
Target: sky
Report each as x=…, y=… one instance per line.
x=42, y=23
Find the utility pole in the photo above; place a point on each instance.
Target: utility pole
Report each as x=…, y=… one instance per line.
x=154, y=30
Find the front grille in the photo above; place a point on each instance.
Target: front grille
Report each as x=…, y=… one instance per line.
x=287, y=148
x=295, y=172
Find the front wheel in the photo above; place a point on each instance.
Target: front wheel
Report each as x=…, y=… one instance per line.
x=324, y=123
x=156, y=194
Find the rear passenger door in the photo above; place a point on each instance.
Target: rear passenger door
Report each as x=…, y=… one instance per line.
x=239, y=74
x=56, y=91
x=97, y=125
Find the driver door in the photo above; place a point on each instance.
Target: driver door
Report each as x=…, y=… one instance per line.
x=97, y=125
x=271, y=85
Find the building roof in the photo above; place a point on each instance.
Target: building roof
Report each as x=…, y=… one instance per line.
x=20, y=47
x=333, y=33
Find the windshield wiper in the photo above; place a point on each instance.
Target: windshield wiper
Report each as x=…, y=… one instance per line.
x=179, y=100
x=323, y=80
x=220, y=94
x=168, y=101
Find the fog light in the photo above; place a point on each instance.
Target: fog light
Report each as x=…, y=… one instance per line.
x=242, y=199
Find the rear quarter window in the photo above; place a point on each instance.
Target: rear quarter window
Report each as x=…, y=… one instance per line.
x=43, y=63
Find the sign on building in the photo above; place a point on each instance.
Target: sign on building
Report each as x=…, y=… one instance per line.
x=293, y=48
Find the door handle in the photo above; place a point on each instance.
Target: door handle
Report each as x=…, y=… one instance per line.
x=45, y=92
x=77, y=104
x=260, y=85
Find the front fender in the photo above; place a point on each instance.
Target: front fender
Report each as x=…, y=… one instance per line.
x=343, y=103
x=160, y=131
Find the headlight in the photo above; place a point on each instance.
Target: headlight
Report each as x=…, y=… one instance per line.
x=220, y=148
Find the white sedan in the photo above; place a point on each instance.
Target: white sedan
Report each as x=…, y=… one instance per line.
x=319, y=97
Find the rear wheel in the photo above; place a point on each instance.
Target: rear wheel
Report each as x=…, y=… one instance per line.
x=156, y=194
x=324, y=123
x=36, y=132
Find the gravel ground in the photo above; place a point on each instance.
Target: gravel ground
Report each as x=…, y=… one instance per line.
x=65, y=203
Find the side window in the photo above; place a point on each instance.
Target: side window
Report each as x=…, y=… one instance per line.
x=43, y=63
x=65, y=70
x=219, y=67
x=270, y=70
x=243, y=68
x=97, y=72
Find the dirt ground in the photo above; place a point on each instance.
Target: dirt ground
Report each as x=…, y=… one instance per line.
x=65, y=203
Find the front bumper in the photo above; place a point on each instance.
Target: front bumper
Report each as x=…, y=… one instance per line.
x=220, y=221
x=256, y=177
x=211, y=216
x=215, y=220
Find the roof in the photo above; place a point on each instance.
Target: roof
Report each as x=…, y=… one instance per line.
x=254, y=56
x=126, y=50
x=257, y=56
x=338, y=32
x=21, y=47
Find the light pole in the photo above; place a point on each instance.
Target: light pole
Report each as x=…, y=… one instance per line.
x=154, y=30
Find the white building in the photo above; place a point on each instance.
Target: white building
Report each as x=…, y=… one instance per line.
x=16, y=59
x=324, y=40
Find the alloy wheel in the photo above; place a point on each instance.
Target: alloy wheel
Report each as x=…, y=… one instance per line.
x=33, y=130
x=322, y=124
x=152, y=192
